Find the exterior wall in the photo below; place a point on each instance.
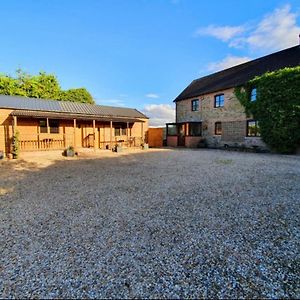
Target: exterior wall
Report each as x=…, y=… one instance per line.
x=5, y=130
x=140, y=129
x=232, y=117
x=192, y=141
x=32, y=139
x=155, y=137
x=172, y=141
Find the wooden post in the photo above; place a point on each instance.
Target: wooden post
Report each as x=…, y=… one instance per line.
x=127, y=132
x=110, y=134
x=48, y=131
x=187, y=125
x=94, y=133
x=14, y=127
x=142, y=129
x=38, y=135
x=74, y=132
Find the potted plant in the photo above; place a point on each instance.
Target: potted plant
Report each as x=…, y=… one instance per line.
x=145, y=146
x=70, y=151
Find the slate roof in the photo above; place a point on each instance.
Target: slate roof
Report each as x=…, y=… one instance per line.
x=242, y=73
x=67, y=107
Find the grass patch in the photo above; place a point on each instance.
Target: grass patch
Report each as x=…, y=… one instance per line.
x=224, y=161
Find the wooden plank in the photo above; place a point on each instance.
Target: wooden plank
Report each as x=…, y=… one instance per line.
x=94, y=133
x=74, y=125
x=111, y=134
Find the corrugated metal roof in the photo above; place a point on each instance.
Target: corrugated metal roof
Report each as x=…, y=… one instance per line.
x=20, y=103
x=242, y=73
x=59, y=115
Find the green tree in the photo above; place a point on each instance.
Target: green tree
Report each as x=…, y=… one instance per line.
x=43, y=86
x=77, y=95
x=8, y=85
x=277, y=107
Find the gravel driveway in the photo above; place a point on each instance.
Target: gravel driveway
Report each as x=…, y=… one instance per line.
x=182, y=223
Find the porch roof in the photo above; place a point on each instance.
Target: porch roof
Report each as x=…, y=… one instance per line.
x=68, y=116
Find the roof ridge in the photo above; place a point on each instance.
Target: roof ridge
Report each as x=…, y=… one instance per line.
x=240, y=74
x=245, y=63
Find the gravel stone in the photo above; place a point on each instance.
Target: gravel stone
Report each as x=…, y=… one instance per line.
x=153, y=224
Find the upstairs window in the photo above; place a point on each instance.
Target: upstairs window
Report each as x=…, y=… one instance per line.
x=218, y=128
x=253, y=128
x=219, y=100
x=253, y=94
x=195, y=105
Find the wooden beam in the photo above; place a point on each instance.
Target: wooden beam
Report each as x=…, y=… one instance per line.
x=94, y=133
x=47, y=120
x=15, y=124
x=74, y=132
x=110, y=134
x=127, y=132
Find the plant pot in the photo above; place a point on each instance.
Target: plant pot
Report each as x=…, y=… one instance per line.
x=70, y=153
x=119, y=149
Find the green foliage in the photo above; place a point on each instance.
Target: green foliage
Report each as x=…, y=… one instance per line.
x=16, y=145
x=277, y=107
x=77, y=95
x=43, y=86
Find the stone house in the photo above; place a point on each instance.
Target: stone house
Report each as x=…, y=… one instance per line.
x=208, y=109
x=49, y=125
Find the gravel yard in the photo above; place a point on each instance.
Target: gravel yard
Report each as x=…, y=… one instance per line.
x=161, y=223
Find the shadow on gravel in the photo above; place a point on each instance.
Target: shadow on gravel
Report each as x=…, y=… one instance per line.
x=165, y=224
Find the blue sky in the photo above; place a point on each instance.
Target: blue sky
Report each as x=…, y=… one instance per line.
x=140, y=53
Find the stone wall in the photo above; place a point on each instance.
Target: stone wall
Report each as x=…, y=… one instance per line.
x=232, y=116
x=192, y=141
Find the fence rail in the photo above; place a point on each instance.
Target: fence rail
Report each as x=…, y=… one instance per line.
x=31, y=142
x=37, y=142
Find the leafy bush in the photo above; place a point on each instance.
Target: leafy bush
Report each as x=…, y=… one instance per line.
x=277, y=107
x=16, y=145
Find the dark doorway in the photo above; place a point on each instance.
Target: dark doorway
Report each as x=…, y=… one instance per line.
x=181, y=135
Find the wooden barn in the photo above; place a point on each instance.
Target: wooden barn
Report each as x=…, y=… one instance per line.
x=52, y=125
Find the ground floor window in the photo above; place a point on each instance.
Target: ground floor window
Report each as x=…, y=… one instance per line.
x=53, y=126
x=120, y=130
x=195, y=129
x=171, y=129
x=43, y=126
x=253, y=128
x=218, y=128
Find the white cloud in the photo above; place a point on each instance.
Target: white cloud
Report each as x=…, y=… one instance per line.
x=152, y=96
x=227, y=62
x=276, y=30
x=110, y=102
x=223, y=33
x=159, y=114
